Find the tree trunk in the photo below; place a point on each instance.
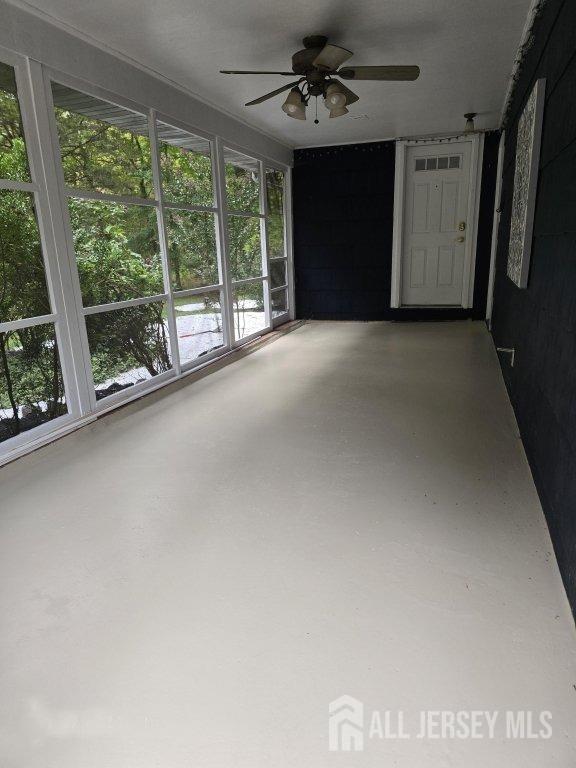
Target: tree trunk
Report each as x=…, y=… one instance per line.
x=9, y=387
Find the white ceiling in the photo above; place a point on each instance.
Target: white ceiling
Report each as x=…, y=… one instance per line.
x=465, y=49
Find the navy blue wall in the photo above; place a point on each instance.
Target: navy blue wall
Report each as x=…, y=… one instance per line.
x=343, y=216
x=540, y=322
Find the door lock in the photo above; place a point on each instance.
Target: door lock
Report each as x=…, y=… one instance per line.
x=460, y=239
x=462, y=226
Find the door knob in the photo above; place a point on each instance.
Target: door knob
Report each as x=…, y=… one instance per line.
x=460, y=239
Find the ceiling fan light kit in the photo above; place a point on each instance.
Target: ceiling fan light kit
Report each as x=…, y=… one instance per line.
x=335, y=97
x=317, y=66
x=469, y=117
x=295, y=106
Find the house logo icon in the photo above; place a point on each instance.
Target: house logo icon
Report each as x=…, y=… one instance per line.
x=346, y=725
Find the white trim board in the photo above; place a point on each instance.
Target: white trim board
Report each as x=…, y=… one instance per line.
x=495, y=229
x=477, y=142
x=34, y=34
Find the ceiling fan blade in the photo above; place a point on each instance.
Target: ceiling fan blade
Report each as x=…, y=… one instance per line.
x=272, y=93
x=379, y=73
x=252, y=72
x=351, y=97
x=331, y=57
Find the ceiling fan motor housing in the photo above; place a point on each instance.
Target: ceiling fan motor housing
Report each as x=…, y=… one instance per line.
x=302, y=61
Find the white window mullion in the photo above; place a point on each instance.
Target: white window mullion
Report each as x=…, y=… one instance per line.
x=264, y=241
x=60, y=267
x=219, y=176
x=80, y=360
x=288, y=241
x=163, y=239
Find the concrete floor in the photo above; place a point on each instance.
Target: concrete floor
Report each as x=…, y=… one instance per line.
x=189, y=582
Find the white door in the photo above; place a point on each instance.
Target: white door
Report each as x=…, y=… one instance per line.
x=434, y=250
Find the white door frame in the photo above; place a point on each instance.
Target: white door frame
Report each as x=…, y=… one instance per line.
x=477, y=142
x=495, y=229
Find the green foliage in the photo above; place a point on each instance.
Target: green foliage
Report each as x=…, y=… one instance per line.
x=29, y=374
x=103, y=158
x=23, y=291
x=186, y=176
x=124, y=339
x=191, y=249
x=13, y=157
x=117, y=252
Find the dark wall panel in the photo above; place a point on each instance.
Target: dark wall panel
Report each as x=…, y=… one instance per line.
x=540, y=322
x=343, y=218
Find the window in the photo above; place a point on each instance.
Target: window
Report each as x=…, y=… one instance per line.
x=199, y=323
x=277, y=255
x=117, y=251
x=13, y=155
x=242, y=182
x=191, y=220
x=31, y=382
x=192, y=250
x=128, y=346
x=437, y=163
x=186, y=167
x=104, y=148
x=151, y=251
x=248, y=305
x=107, y=166
x=246, y=254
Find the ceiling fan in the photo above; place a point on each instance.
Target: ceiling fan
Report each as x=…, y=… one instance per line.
x=318, y=66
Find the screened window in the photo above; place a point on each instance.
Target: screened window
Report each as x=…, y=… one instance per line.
x=249, y=314
x=245, y=247
x=191, y=221
x=242, y=182
x=192, y=249
x=13, y=156
x=31, y=384
x=117, y=251
x=105, y=149
x=275, y=228
x=199, y=323
x=23, y=288
x=246, y=253
x=128, y=346
x=186, y=167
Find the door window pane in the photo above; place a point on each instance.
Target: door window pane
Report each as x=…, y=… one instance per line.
x=186, y=167
x=128, y=346
x=191, y=249
x=242, y=182
x=279, y=303
x=31, y=386
x=277, y=273
x=117, y=251
x=199, y=324
x=248, y=309
x=104, y=148
x=23, y=290
x=244, y=246
x=13, y=157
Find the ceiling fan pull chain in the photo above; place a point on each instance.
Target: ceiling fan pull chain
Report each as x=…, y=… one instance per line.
x=316, y=121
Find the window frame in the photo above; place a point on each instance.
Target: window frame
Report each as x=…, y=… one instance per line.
x=57, y=317
x=51, y=201
x=286, y=258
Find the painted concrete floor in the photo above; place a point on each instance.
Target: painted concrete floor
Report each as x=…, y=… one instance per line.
x=189, y=582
